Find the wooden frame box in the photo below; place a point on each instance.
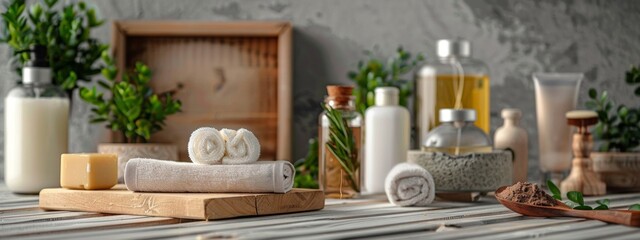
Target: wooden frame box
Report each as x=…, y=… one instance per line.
x=229, y=74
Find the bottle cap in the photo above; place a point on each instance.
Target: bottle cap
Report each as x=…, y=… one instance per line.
x=454, y=47
x=511, y=113
x=387, y=96
x=453, y=115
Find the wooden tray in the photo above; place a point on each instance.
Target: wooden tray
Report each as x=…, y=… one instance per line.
x=233, y=75
x=201, y=206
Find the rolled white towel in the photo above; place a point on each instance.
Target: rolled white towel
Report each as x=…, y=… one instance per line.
x=206, y=146
x=242, y=146
x=408, y=184
x=150, y=175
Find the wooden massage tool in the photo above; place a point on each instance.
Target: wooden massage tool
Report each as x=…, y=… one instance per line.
x=582, y=178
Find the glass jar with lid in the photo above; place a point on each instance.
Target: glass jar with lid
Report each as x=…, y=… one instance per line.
x=457, y=134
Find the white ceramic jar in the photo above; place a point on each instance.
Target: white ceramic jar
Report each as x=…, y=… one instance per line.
x=512, y=136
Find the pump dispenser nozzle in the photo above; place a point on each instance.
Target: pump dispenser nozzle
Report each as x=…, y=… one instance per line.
x=38, y=57
x=37, y=70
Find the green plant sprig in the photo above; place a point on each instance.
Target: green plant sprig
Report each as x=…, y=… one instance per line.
x=133, y=109
x=375, y=74
x=342, y=144
x=66, y=31
x=618, y=129
x=576, y=199
x=307, y=168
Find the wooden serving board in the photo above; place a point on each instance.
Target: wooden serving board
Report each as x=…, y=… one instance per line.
x=201, y=206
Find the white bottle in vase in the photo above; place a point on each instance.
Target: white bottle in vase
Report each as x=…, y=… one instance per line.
x=386, y=138
x=36, y=128
x=514, y=137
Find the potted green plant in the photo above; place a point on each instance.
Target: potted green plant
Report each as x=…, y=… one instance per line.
x=132, y=111
x=617, y=136
x=375, y=73
x=65, y=30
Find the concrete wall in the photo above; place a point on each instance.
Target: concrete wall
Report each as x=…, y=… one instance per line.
x=515, y=38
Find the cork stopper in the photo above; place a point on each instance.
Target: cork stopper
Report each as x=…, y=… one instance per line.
x=340, y=94
x=339, y=90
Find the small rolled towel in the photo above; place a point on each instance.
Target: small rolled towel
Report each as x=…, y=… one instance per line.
x=150, y=175
x=242, y=146
x=206, y=146
x=408, y=184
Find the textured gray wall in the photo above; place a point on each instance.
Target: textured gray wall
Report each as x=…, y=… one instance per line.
x=516, y=38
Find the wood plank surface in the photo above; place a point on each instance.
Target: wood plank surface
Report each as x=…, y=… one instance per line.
x=202, y=206
x=365, y=218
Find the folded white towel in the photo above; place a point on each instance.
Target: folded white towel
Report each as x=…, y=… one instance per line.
x=206, y=146
x=242, y=146
x=150, y=175
x=408, y=184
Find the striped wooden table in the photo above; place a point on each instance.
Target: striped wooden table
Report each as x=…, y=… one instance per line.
x=375, y=218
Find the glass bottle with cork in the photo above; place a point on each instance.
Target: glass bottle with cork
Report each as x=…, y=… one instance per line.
x=334, y=181
x=454, y=80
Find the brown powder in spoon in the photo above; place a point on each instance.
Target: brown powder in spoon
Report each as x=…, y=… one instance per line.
x=527, y=193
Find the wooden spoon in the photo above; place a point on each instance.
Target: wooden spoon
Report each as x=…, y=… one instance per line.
x=625, y=217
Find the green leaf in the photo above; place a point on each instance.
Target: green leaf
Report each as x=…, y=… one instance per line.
x=554, y=190
x=98, y=120
x=593, y=93
x=603, y=202
x=104, y=85
x=50, y=3
x=633, y=76
x=635, y=207
x=352, y=75
x=92, y=19
x=570, y=203
x=604, y=96
x=583, y=207
x=623, y=111
x=576, y=197
x=601, y=207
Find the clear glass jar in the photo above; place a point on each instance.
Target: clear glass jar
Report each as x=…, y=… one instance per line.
x=333, y=180
x=453, y=77
x=36, y=131
x=457, y=134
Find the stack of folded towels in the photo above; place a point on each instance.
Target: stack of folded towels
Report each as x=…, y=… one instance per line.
x=223, y=161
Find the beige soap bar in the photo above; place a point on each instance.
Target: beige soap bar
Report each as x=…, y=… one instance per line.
x=90, y=171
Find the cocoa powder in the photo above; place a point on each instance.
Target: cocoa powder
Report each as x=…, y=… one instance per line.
x=527, y=193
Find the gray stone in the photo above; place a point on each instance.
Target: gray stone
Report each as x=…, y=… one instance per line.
x=515, y=38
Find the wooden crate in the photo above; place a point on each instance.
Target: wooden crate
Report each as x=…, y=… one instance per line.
x=233, y=75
